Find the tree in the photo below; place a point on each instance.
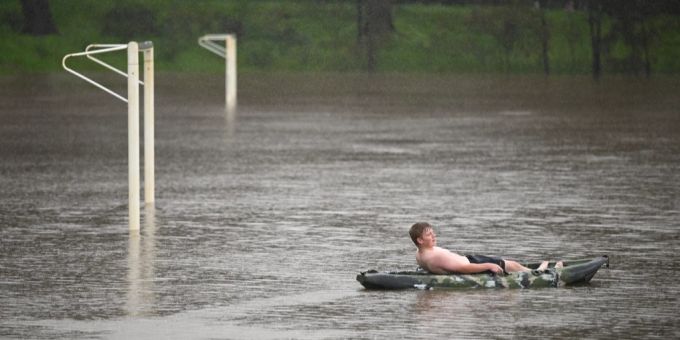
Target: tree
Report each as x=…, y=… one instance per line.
x=374, y=21
x=634, y=24
x=37, y=17
x=516, y=28
x=595, y=14
x=545, y=37
x=572, y=33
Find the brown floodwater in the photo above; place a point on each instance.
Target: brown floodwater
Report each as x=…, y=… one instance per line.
x=264, y=216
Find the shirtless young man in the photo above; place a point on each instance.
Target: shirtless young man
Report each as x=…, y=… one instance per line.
x=441, y=261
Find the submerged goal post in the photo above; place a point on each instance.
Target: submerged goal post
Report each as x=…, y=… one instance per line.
x=226, y=50
x=133, y=82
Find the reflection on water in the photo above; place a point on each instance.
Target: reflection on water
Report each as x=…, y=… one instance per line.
x=263, y=220
x=465, y=309
x=230, y=115
x=140, y=292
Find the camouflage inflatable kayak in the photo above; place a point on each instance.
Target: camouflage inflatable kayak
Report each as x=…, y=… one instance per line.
x=573, y=272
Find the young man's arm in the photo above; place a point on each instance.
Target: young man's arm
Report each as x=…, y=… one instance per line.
x=453, y=264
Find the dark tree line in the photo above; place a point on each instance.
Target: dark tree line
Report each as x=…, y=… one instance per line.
x=632, y=22
x=635, y=23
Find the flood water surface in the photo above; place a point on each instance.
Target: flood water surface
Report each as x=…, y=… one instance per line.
x=263, y=217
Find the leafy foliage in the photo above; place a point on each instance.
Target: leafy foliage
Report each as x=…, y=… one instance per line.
x=128, y=21
x=316, y=35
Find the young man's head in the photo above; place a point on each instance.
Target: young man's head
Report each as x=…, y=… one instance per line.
x=417, y=231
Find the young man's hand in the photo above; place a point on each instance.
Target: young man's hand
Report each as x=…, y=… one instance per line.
x=496, y=269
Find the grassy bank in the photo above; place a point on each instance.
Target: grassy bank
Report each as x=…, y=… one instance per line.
x=312, y=36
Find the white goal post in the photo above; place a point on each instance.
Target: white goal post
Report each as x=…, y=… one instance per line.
x=132, y=75
x=226, y=50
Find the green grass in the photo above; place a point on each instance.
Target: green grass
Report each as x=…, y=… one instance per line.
x=309, y=36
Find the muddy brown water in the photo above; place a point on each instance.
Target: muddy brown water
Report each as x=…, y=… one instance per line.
x=264, y=216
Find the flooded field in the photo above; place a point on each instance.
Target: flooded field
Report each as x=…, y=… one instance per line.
x=264, y=217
